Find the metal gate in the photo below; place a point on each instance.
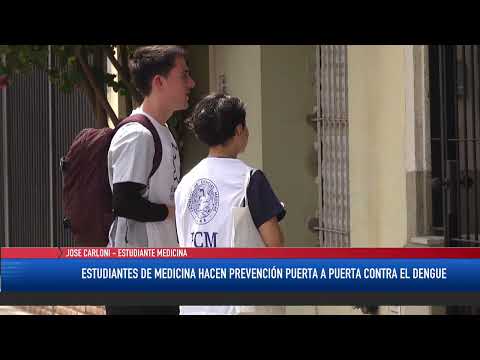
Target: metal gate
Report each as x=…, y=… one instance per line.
x=38, y=125
x=455, y=137
x=2, y=170
x=332, y=146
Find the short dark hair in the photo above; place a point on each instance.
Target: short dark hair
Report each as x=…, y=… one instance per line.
x=215, y=118
x=148, y=61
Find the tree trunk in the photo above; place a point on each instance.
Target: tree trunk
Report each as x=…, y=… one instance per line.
x=89, y=92
x=99, y=94
x=123, y=57
x=87, y=89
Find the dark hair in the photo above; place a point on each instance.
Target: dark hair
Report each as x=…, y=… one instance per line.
x=215, y=118
x=148, y=61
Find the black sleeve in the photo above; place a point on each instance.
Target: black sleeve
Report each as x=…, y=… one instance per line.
x=129, y=203
x=262, y=201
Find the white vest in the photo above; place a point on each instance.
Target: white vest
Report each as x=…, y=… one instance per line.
x=161, y=188
x=203, y=208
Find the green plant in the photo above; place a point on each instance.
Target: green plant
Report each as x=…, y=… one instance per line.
x=82, y=67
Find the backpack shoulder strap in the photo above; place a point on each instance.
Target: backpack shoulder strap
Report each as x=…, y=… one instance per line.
x=143, y=120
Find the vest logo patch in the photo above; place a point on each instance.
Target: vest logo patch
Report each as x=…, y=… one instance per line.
x=203, y=201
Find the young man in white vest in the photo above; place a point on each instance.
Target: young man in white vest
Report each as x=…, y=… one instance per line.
x=144, y=204
x=206, y=195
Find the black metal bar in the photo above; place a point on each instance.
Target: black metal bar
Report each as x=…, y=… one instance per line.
x=456, y=132
x=2, y=190
x=440, y=49
x=51, y=108
x=465, y=135
x=474, y=119
x=4, y=205
x=452, y=200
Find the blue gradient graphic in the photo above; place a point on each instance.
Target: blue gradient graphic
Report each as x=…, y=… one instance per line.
x=64, y=275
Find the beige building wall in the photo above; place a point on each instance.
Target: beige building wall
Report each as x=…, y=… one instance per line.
x=289, y=158
x=238, y=69
x=388, y=113
x=377, y=118
x=198, y=61
x=276, y=82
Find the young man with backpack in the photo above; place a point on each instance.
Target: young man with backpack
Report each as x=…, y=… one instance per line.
x=143, y=198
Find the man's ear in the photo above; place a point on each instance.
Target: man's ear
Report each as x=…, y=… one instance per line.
x=158, y=81
x=238, y=129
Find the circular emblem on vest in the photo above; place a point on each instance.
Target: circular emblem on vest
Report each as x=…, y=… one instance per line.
x=203, y=201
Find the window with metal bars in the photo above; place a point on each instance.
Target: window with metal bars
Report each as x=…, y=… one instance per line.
x=455, y=137
x=332, y=146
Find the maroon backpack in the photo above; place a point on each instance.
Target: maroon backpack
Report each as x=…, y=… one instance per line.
x=87, y=197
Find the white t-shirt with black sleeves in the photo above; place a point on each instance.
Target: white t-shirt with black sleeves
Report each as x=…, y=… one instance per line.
x=130, y=159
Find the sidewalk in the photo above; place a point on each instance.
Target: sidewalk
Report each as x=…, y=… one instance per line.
x=63, y=310
x=12, y=310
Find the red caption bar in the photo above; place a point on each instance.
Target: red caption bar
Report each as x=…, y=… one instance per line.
x=121, y=253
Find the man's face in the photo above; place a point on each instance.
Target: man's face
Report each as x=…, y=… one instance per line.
x=178, y=84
